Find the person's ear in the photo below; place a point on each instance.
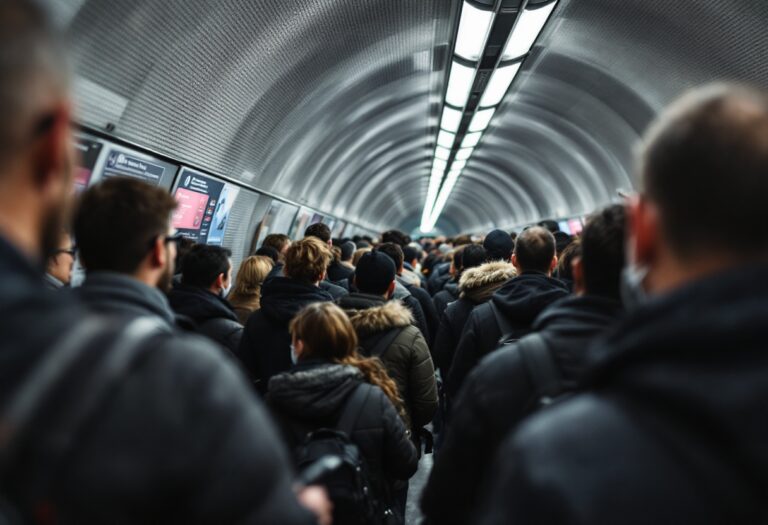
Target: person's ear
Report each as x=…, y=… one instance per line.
x=391, y=289
x=220, y=280
x=643, y=234
x=158, y=256
x=54, y=155
x=577, y=268
x=553, y=264
x=514, y=262
x=298, y=346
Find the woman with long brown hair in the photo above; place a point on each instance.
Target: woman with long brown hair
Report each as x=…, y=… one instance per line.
x=245, y=297
x=315, y=392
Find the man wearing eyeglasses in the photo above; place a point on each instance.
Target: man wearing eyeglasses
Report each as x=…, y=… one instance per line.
x=58, y=271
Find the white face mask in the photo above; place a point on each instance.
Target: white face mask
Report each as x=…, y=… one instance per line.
x=225, y=291
x=633, y=294
x=294, y=356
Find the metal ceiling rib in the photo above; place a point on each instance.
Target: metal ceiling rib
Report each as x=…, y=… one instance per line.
x=334, y=103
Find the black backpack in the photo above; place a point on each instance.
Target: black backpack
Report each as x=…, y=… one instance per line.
x=537, y=358
x=328, y=457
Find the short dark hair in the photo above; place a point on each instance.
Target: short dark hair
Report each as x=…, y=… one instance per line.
x=393, y=251
x=268, y=251
x=204, y=263
x=411, y=252
x=182, y=249
x=319, y=230
x=704, y=167
x=473, y=255
x=534, y=249
x=278, y=241
x=549, y=224
x=116, y=222
x=602, y=251
x=396, y=237
x=566, y=258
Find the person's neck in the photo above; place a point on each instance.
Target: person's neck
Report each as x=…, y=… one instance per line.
x=671, y=273
x=20, y=226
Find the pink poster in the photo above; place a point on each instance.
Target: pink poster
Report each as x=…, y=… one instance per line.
x=191, y=209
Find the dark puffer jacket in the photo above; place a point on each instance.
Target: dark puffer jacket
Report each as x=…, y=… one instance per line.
x=444, y=297
x=313, y=395
x=476, y=286
x=213, y=316
x=672, y=428
x=179, y=439
x=520, y=301
x=428, y=308
x=407, y=357
x=496, y=397
x=265, y=349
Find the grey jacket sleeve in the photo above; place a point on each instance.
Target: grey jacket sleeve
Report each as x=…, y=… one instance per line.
x=422, y=384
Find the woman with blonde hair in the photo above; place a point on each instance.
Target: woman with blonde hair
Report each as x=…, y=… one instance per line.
x=315, y=392
x=245, y=297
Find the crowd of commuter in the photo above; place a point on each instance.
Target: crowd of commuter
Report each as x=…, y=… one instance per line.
x=616, y=376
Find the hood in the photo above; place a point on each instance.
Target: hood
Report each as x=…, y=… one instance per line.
x=698, y=357
x=199, y=304
x=579, y=313
x=525, y=297
x=314, y=389
x=114, y=292
x=480, y=283
x=401, y=292
x=452, y=287
x=359, y=301
x=282, y=298
x=392, y=314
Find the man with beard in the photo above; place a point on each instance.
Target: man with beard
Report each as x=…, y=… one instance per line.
x=126, y=242
x=107, y=419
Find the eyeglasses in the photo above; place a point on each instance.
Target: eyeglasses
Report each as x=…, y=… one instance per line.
x=72, y=252
x=175, y=238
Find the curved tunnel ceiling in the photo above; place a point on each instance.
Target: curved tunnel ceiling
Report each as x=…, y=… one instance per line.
x=335, y=103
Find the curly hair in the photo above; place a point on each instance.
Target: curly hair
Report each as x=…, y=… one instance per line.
x=307, y=260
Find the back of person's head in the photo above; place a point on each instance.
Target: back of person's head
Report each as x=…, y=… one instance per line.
x=183, y=247
x=307, y=260
x=462, y=240
x=473, y=255
x=359, y=253
x=549, y=224
x=204, y=264
x=375, y=273
x=324, y=331
x=268, y=251
x=535, y=250
x=565, y=260
x=499, y=245
x=118, y=221
x=277, y=241
x=704, y=168
x=363, y=244
x=562, y=240
x=602, y=251
x=396, y=237
x=319, y=230
x=393, y=251
x=457, y=260
x=411, y=253
x=347, y=251
x=251, y=275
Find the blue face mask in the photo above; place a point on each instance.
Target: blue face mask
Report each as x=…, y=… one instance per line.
x=294, y=356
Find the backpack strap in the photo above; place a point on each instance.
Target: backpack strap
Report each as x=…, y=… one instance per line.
x=354, y=405
x=541, y=367
x=505, y=326
x=384, y=342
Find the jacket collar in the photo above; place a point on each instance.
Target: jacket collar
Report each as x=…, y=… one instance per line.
x=392, y=314
x=480, y=283
x=111, y=288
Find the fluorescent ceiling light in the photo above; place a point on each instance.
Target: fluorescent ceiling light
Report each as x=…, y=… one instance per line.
x=526, y=31
x=464, y=153
x=471, y=139
x=499, y=85
x=434, y=185
x=481, y=119
x=439, y=164
x=446, y=139
x=473, y=31
x=442, y=198
x=442, y=153
x=459, y=84
x=451, y=119
x=458, y=165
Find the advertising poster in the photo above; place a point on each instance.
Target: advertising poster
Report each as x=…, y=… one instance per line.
x=301, y=223
x=120, y=164
x=88, y=150
x=278, y=219
x=221, y=214
x=575, y=226
x=198, y=198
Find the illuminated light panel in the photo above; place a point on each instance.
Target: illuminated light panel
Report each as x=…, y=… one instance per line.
x=458, y=165
x=442, y=153
x=473, y=32
x=464, y=153
x=451, y=119
x=527, y=30
x=442, y=198
x=499, y=85
x=446, y=139
x=459, y=84
x=439, y=164
x=481, y=120
x=471, y=140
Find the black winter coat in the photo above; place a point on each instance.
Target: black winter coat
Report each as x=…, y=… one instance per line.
x=439, y=276
x=419, y=318
x=265, y=349
x=428, y=308
x=495, y=398
x=444, y=297
x=520, y=300
x=213, y=316
x=313, y=395
x=672, y=428
x=476, y=286
x=339, y=272
x=179, y=439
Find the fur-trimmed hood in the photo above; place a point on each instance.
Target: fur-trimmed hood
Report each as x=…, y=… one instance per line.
x=392, y=314
x=480, y=283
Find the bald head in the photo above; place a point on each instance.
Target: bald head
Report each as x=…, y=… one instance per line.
x=535, y=251
x=705, y=168
x=33, y=75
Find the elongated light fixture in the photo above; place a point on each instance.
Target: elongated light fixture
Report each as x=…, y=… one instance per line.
x=473, y=27
x=527, y=30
